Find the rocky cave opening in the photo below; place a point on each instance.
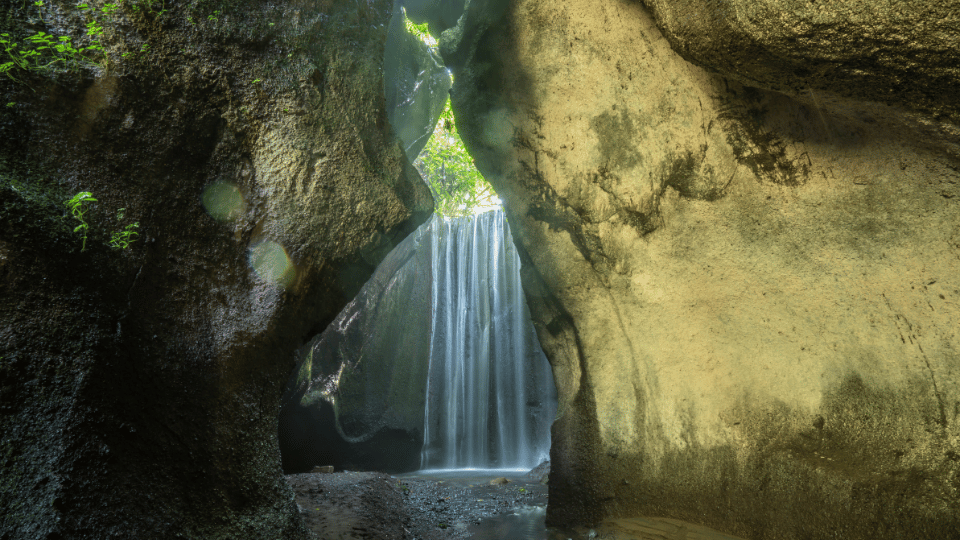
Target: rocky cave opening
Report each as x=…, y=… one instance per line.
x=737, y=229
x=435, y=364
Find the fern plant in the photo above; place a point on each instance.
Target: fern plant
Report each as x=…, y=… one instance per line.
x=124, y=237
x=77, y=210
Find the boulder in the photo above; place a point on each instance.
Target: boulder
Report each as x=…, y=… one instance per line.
x=406, y=376
x=357, y=396
x=139, y=387
x=745, y=274
x=540, y=473
x=416, y=85
x=898, y=53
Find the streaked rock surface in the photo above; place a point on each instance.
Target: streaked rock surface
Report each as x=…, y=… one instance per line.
x=749, y=298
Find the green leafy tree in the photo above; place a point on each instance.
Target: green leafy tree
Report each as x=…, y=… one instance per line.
x=458, y=187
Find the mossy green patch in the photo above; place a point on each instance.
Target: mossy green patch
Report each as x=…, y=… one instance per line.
x=31, y=211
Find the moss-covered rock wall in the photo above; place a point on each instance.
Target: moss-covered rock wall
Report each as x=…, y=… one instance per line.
x=140, y=386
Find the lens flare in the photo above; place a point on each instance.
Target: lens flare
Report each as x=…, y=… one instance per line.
x=223, y=201
x=271, y=262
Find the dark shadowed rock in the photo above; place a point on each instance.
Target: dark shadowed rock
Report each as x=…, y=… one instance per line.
x=356, y=398
x=140, y=387
x=540, y=473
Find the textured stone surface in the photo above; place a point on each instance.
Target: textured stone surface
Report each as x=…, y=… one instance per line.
x=750, y=299
x=140, y=387
x=903, y=53
x=416, y=85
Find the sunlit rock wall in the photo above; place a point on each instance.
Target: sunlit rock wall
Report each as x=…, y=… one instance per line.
x=139, y=388
x=749, y=298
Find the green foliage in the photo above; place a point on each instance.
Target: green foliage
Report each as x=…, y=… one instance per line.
x=421, y=31
x=43, y=52
x=112, y=10
x=124, y=237
x=109, y=9
x=144, y=49
x=157, y=7
x=77, y=210
x=458, y=187
x=120, y=239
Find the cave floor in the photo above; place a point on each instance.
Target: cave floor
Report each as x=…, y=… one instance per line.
x=446, y=505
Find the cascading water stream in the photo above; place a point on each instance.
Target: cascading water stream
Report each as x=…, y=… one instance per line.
x=490, y=393
x=434, y=363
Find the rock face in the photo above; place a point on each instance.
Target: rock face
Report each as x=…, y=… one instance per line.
x=749, y=298
x=139, y=387
x=900, y=53
x=356, y=398
x=416, y=85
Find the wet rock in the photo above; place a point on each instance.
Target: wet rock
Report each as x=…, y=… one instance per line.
x=408, y=507
x=351, y=505
x=326, y=469
x=416, y=84
x=373, y=358
x=540, y=473
x=499, y=481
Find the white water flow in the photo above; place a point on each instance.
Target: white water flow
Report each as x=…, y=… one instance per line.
x=490, y=391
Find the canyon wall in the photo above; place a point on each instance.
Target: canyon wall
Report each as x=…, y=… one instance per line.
x=139, y=387
x=741, y=240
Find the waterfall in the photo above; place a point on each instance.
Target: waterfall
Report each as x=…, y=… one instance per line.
x=490, y=393
x=434, y=363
